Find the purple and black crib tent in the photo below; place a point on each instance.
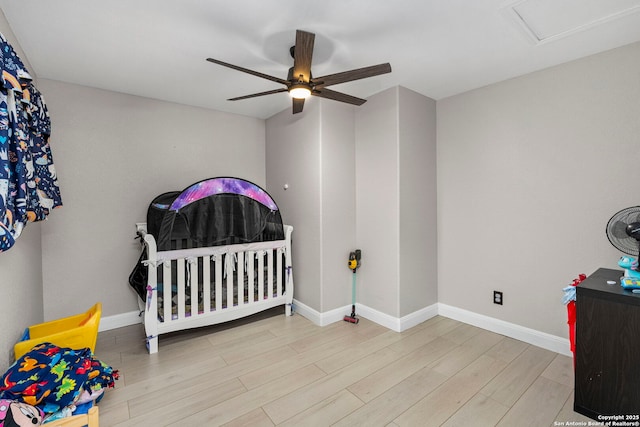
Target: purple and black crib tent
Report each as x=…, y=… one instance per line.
x=213, y=212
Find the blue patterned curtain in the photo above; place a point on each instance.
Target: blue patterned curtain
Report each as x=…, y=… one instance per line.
x=28, y=183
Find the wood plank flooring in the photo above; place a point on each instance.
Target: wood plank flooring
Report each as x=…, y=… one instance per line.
x=274, y=370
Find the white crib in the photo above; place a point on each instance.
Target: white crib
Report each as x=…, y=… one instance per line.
x=190, y=288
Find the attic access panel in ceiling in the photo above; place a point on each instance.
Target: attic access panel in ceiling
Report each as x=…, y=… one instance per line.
x=547, y=20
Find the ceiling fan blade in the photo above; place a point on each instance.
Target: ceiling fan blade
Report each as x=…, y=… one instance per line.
x=298, y=104
x=338, y=96
x=303, y=53
x=253, y=95
x=347, y=76
x=248, y=71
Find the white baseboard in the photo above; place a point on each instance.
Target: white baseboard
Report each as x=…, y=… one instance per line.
x=119, y=320
x=395, y=323
x=383, y=319
x=378, y=317
x=521, y=333
x=320, y=319
x=530, y=336
x=417, y=317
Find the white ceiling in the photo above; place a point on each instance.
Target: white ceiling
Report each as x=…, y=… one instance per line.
x=157, y=48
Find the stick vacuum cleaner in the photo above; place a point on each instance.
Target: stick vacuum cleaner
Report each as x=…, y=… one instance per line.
x=354, y=263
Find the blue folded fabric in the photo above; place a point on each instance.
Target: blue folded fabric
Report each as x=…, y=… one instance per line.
x=569, y=294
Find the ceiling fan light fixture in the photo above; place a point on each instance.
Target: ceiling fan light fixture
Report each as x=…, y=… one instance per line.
x=299, y=91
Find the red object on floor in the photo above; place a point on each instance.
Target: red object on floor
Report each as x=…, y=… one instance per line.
x=571, y=315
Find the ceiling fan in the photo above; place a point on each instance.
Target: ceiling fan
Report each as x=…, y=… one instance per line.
x=301, y=84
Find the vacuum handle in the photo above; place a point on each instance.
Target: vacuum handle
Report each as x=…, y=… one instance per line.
x=354, y=259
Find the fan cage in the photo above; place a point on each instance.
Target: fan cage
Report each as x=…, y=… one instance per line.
x=617, y=234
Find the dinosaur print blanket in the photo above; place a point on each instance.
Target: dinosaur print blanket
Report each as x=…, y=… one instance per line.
x=53, y=378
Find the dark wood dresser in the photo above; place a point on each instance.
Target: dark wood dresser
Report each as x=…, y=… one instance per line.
x=607, y=369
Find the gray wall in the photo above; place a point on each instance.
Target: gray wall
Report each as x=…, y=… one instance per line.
x=529, y=172
x=314, y=154
x=21, y=290
x=377, y=198
x=21, y=266
x=417, y=196
x=396, y=201
x=364, y=179
x=338, y=202
x=114, y=153
x=293, y=158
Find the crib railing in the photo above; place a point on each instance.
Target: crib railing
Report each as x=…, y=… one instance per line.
x=194, y=287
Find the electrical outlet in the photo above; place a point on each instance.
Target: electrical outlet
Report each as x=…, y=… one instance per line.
x=497, y=297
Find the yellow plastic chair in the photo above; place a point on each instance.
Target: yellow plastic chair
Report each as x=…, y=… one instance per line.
x=74, y=332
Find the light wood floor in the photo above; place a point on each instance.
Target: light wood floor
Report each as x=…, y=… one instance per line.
x=285, y=371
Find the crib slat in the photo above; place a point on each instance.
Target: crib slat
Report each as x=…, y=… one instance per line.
x=166, y=291
x=206, y=284
x=219, y=267
x=251, y=258
x=240, y=268
x=230, y=268
x=260, y=275
x=180, y=284
x=279, y=271
x=193, y=277
x=269, y=286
